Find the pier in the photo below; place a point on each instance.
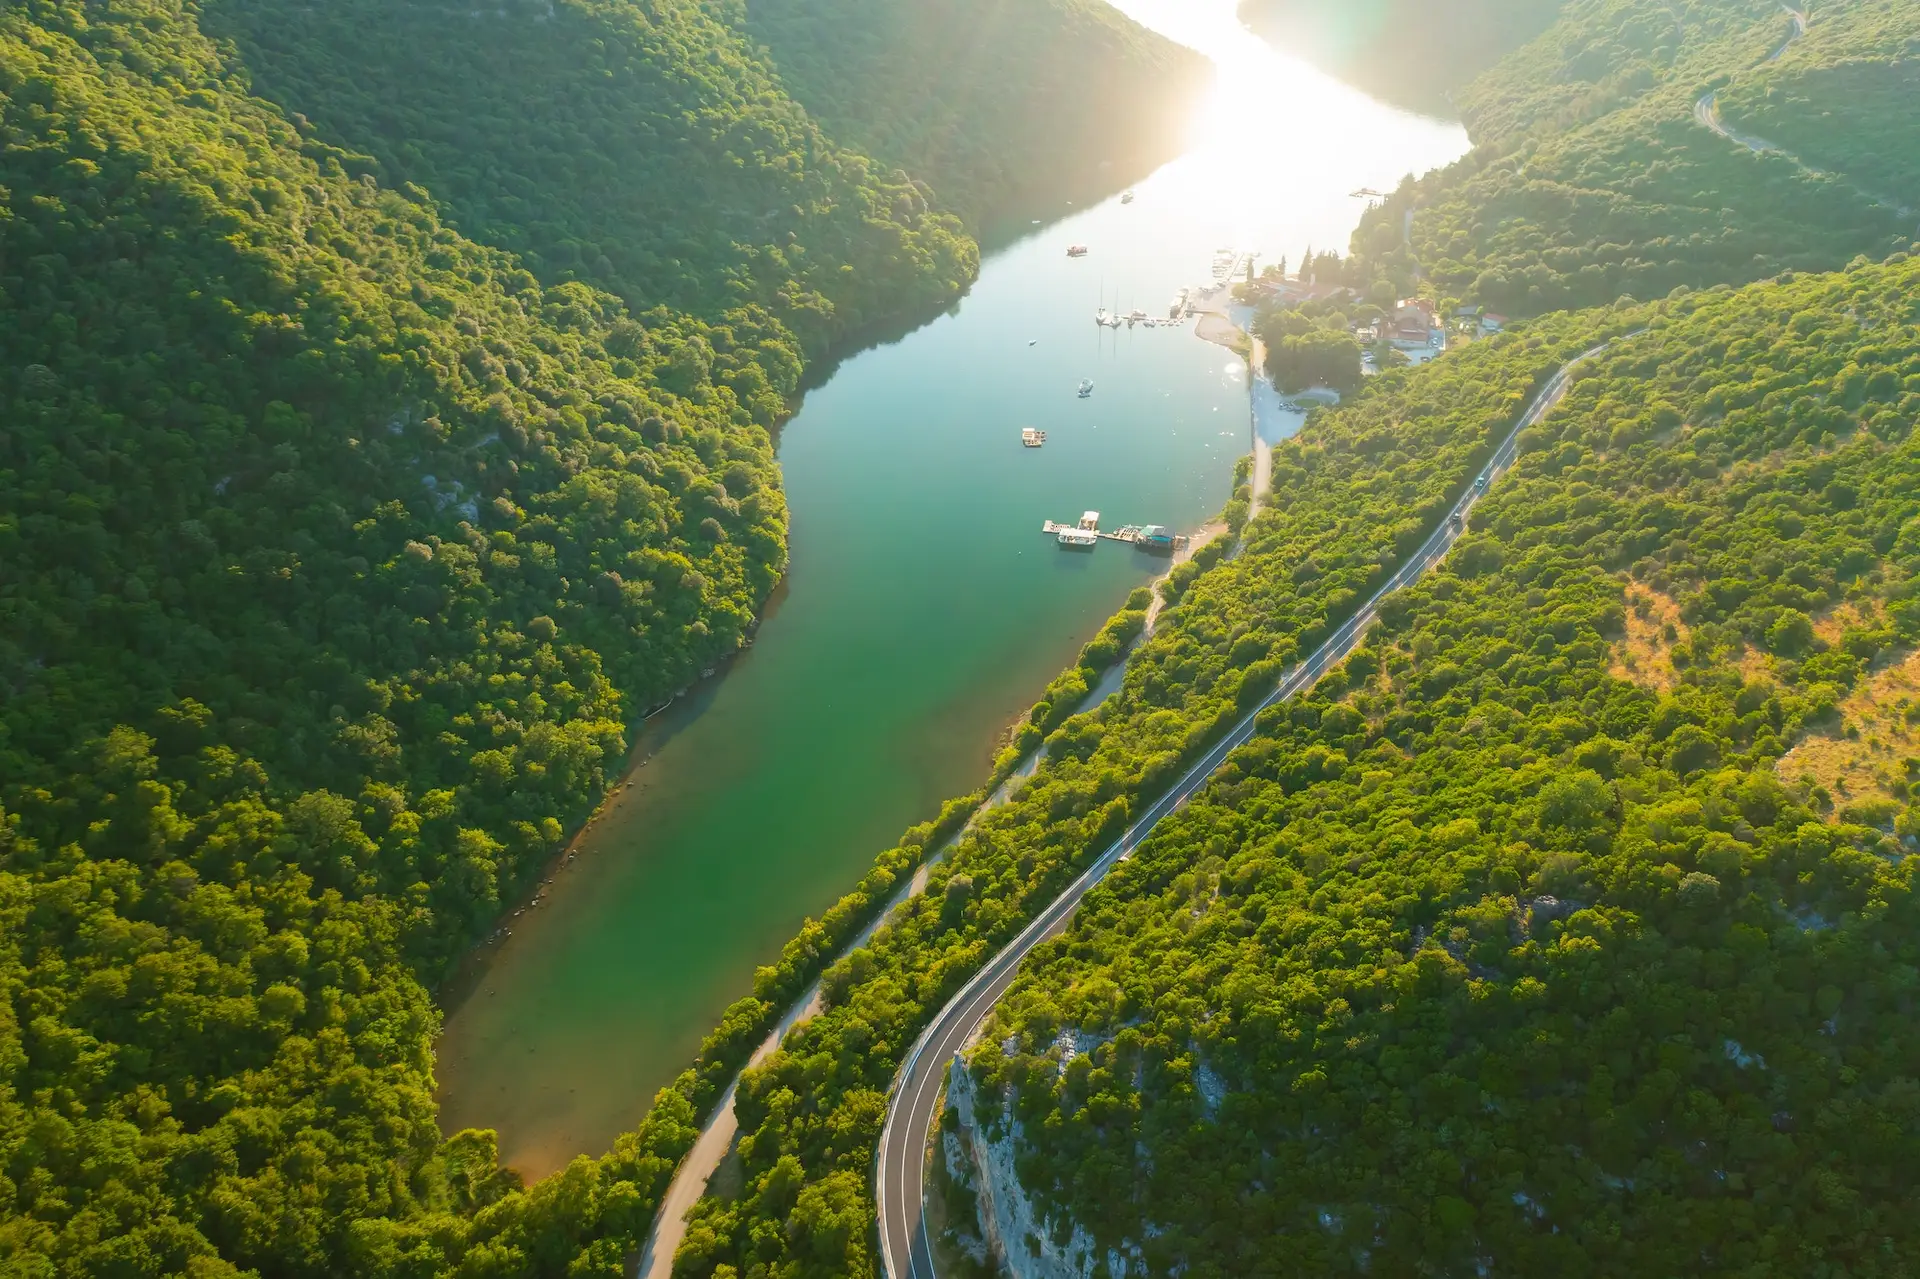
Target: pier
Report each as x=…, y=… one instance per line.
x=1147, y=537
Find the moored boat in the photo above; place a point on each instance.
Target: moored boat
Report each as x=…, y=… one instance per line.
x=1076, y=539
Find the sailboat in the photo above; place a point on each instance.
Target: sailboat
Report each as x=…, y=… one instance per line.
x=1086, y=387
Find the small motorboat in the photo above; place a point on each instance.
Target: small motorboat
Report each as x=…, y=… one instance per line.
x=1032, y=438
x=1076, y=250
x=1127, y=198
x=1086, y=387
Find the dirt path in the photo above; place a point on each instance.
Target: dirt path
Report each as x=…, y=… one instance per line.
x=1262, y=478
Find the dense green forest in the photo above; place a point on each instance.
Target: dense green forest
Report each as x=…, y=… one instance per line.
x=1841, y=99
x=338, y=552
x=381, y=440
x=996, y=106
x=1553, y=854
x=1408, y=52
x=1531, y=940
x=1591, y=176
x=642, y=147
x=1566, y=925
x=388, y=391
x=1348, y=506
x=1310, y=345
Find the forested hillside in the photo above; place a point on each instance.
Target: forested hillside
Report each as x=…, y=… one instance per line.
x=356, y=496
x=1567, y=927
x=1841, y=99
x=989, y=104
x=1410, y=52
x=337, y=555
x=1350, y=505
x=1565, y=777
x=643, y=148
x=1594, y=176
x=1570, y=927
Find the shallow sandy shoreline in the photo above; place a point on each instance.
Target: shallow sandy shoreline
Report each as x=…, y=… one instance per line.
x=1217, y=328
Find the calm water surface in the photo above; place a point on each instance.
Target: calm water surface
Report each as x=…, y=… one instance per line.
x=923, y=609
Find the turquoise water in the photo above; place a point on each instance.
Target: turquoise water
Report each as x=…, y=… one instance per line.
x=922, y=613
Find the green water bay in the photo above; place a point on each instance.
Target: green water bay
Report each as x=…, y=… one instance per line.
x=922, y=612
x=923, y=609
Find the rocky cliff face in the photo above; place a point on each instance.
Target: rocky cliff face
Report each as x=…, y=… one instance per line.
x=1019, y=1240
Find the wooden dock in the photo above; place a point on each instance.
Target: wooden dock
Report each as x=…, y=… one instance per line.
x=1131, y=534
x=1053, y=528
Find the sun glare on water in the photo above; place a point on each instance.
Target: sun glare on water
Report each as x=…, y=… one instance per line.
x=1277, y=147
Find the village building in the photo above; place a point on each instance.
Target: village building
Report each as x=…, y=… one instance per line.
x=1413, y=323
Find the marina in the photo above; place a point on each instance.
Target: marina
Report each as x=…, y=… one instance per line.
x=1185, y=304
x=1084, y=536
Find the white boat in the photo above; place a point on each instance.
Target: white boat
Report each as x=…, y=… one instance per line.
x=1083, y=536
x=1100, y=316
x=1127, y=198
x=1086, y=387
x=1076, y=250
x=1031, y=437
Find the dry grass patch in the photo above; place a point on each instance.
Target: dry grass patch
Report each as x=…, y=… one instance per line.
x=1879, y=732
x=1754, y=663
x=1848, y=615
x=1645, y=655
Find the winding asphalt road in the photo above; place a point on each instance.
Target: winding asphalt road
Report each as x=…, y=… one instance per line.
x=1706, y=111
x=899, y=1178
